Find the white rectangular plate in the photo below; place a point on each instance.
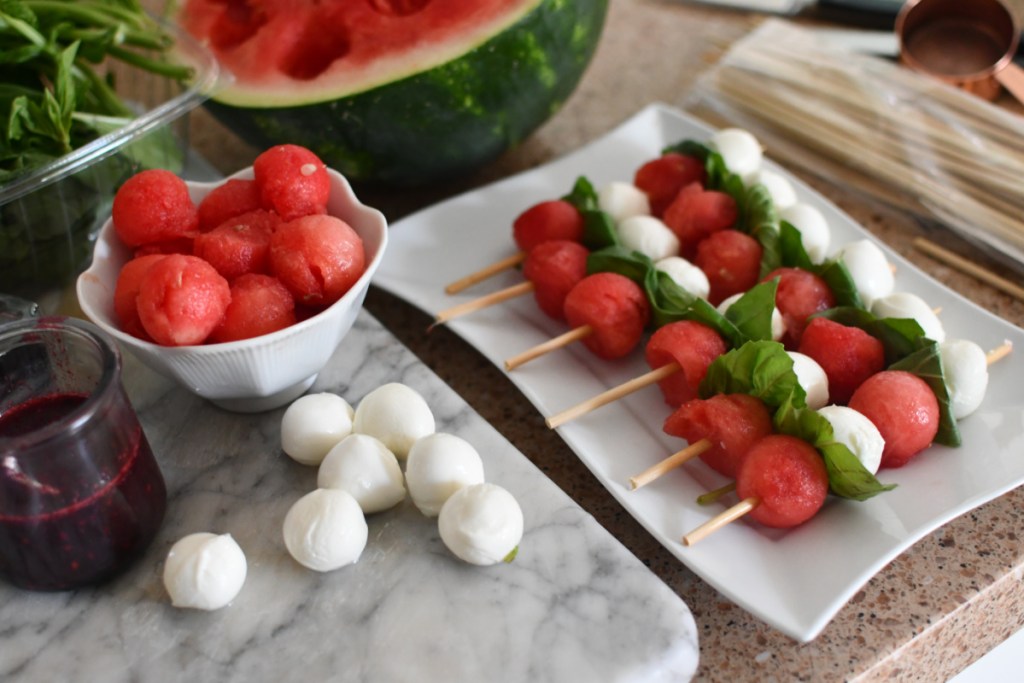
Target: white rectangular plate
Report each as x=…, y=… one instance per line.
x=795, y=580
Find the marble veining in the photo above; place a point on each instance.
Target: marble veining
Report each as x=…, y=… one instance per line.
x=574, y=605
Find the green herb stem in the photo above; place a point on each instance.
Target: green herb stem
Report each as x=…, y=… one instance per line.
x=174, y=71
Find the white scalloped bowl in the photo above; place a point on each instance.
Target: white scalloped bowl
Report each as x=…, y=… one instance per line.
x=250, y=375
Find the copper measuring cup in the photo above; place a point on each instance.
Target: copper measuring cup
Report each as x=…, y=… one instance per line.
x=967, y=43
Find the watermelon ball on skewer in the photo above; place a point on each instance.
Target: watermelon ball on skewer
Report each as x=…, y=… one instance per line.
x=260, y=304
x=662, y=178
x=695, y=213
x=181, y=300
x=614, y=308
x=903, y=408
x=554, y=268
x=730, y=424
x=292, y=181
x=691, y=346
x=240, y=245
x=800, y=294
x=732, y=262
x=787, y=478
x=848, y=355
x=318, y=258
x=231, y=198
x=554, y=219
x=153, y=206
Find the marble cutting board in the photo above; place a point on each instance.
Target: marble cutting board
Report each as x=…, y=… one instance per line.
x=574, y=605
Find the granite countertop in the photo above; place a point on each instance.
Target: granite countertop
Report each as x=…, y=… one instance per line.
x=949, y=599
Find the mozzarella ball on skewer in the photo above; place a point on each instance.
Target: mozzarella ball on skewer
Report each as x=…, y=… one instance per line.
x=396, y=415
x=779, y=188
x=313, y=424
x=778, y=322
x=966, y=371
x=869, y=269
x=686, y=275
x=856, y=432
x=439, y=465
x=814, y=230
x=364, y=467
x=204, y=571
x=907, y=305
x=740, y=150
x=325, y=530
x=623, y=200
x=481, y=524
x=648, y=235
x=812, y=378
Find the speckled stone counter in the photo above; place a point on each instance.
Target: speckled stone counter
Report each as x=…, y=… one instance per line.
x=935, y=609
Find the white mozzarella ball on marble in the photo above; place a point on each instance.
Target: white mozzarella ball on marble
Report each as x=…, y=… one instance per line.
x=778, y=322
x=395, y=414
x=812, y=378
x=439, y=465
x=686, y=275
x=909, y=305
x=966, y=370
x=815, y=233
x=364, y=467
x=855, y=431
x=204, y=571
x=481, y=524
x=869, y=269
x=740, y=150
x=779, y=188
x=648, y=235
x=622, y=200
x=325, y=530
x=313, y=424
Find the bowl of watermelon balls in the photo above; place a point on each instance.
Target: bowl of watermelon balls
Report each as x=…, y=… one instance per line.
x=243, y=289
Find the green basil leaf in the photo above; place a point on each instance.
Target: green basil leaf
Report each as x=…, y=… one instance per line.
x=752, y=312
x=760, y=368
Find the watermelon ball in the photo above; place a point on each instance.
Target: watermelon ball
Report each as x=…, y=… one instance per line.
x=555, y=219
x=662, y=178
x=179, y=245
x=240, y=245
x=153, y=206
x=732, y=262
x=292, y=181
x=181, y=300
x=848, y=355
x=695, y=213
x=555, y=267
x=690, y=344
x=260, y=304
x=614, y=307
x=318, y=258
x=731, y=423
x=800, y=294
x=229, y=199
x=787, y=477
x=904, y=409
x=126, y=291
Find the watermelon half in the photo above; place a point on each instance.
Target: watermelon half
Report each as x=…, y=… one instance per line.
x=401, y=92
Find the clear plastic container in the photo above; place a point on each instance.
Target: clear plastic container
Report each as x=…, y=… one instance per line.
x=49, y=217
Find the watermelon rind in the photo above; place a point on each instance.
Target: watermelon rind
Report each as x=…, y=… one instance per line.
x=444, y=121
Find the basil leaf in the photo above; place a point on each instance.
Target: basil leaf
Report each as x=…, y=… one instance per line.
x=762, y=369
x=760, y=220
x=752, y=312
x=598, y=227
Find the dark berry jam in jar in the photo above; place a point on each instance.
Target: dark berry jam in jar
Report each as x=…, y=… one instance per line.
x=81, y=495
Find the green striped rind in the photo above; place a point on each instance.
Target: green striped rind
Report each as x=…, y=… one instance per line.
x=448, y=120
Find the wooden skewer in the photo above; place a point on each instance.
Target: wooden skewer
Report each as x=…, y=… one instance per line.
x=999, y=353
x=613, y=394
x=549, y=346
x=483, y=302
x=670, y=463
x=968, y=267
x=484, y=273
x=720, y=520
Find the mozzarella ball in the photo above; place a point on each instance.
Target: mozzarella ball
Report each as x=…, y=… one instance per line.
x=812, y=378
x=481, y=524
x=779, y=188
x=439, y=465
x=740, y=150
x=869, y=269
x=649, y=236
x=778, y=323
x=204, y=571
x=325, y=530
x=623, y=200
x=907, y=305
x=966, y=371
x=856, y=432
x=814, y=231
x=364, y=467
x=396, y=415
x=312, y=424
x=686, y=275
